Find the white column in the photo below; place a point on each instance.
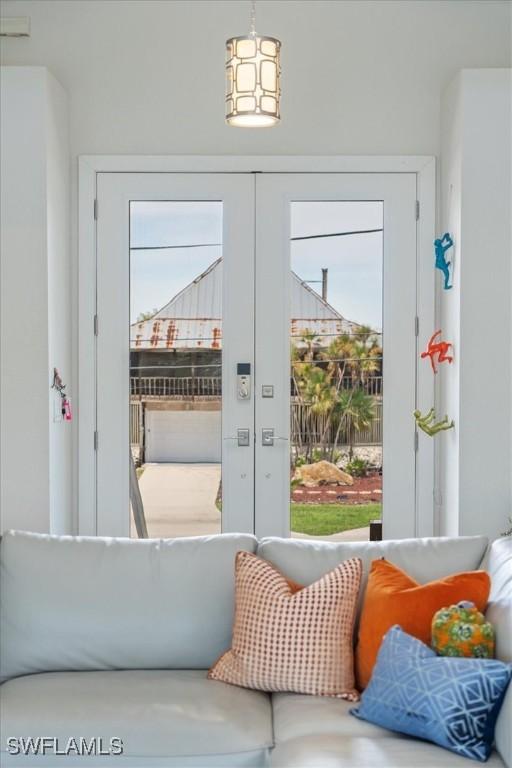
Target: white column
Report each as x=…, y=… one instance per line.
x=475, y=457
x=35, y=468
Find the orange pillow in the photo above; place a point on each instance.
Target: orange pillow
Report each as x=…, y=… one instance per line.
x=392, y=597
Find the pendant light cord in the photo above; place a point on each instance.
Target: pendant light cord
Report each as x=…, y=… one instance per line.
x=252, y=29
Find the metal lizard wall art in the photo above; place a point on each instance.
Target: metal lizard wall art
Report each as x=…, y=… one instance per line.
x=441, y=245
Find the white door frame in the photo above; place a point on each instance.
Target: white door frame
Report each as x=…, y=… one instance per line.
x=89, y=166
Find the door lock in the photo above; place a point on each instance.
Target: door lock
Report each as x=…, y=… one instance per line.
x=243, y=381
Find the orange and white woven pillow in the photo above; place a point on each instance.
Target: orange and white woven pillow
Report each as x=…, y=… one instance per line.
x=291, y=638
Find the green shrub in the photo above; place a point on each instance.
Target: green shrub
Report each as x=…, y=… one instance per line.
x=357, y=467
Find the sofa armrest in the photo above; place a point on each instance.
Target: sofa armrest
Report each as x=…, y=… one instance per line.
x=498, y=562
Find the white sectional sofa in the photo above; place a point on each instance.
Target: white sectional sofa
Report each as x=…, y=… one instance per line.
x=113, y=638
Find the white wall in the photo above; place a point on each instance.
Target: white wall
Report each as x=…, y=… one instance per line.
x=358, y=77
x=24, y=469
x=58, y=243
x=36, y=466
x=476, y=208
x=147, y=77
x=448, y=379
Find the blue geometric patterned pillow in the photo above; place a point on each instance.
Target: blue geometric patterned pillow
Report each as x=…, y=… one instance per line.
x=453, y=702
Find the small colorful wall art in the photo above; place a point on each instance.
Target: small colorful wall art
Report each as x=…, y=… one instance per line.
x=441, y=245
x=428, y=423
x=437, y=351
x=59, y=385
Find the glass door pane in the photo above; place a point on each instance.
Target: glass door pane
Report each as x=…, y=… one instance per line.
x=336, y=252
x=175, y=367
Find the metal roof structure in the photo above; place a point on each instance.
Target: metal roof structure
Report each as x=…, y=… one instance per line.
x=193, y=318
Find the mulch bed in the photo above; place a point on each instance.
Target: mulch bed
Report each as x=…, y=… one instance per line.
x=365, y=490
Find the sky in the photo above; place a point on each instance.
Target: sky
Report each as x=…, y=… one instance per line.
x=354, y=262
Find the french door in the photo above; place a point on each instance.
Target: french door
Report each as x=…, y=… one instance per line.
x=255, y=353
x=165, y=364
x=363, y=343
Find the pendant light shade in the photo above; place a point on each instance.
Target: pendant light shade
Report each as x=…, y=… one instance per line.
x=252, y=80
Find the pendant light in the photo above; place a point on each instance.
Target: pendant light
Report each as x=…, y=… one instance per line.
x=252, y=79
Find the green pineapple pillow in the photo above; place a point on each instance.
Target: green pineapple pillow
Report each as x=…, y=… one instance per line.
x=461, y=630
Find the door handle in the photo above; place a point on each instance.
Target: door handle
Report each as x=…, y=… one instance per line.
x=268, y=437
x=242, y=438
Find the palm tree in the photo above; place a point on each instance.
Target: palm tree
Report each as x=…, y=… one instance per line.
x=146, y=315
x=356, y=411
x=315, y=386
x=366, y=362
x=312, y=342
x=367, y=355
x=318, y=378
x=295, y=356
x=339, y=353
x=307, y=382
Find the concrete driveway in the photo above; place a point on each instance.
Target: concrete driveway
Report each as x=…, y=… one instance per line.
x=179, y=499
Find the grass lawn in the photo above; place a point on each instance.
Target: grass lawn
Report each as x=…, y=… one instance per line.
x=324, y=519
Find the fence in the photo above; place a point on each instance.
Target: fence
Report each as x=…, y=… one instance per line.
x=211, y=386
x=169, y=386
x=307, y=428
x=371, y=386
x=136, y=423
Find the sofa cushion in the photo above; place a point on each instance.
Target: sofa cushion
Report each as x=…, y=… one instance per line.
x=296, y=715
x=453, y=702
x=315, y=732
x=305, y=561
x=75, y=603
x=499, y=611
x=156, y=713
x=337, y=751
